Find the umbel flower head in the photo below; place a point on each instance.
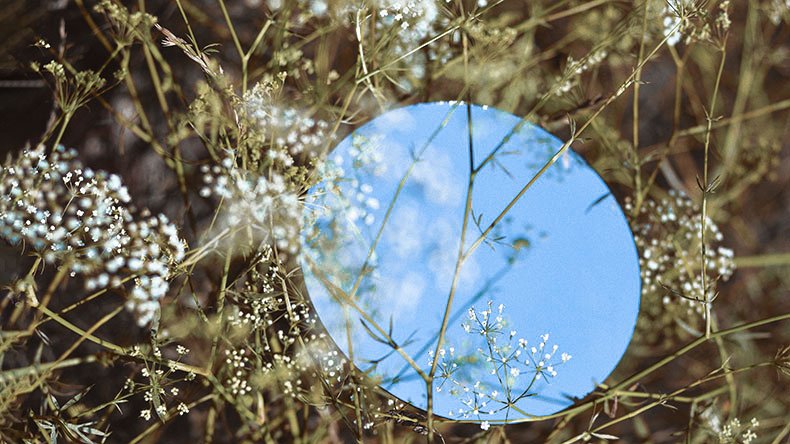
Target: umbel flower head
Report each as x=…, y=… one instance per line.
x=83, y=219
x=668, y=233
x=270, y=206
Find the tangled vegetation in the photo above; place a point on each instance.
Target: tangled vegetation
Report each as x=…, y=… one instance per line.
x=153, y=201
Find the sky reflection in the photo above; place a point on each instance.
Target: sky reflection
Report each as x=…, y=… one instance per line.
x=562, y=261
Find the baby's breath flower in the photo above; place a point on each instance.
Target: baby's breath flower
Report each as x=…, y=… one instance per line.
x=672, y=22
x=269, y=205
x=499, y=358
x=736, y=432
x=575, y=68
x=292, y=131
x=84, y=219
x=668, y=235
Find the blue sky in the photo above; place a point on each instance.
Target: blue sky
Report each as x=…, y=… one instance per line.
x=575, y=274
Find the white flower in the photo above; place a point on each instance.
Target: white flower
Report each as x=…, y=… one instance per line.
x=485, y=425
x=671, y=28
x=78, y=215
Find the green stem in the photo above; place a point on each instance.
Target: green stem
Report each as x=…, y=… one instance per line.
x=763, y=260
x=117, y=349
x=707, y=300
x=220, y=306
x=63, y=125
x=7, y=376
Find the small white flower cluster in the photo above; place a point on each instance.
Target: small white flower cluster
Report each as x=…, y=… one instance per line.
x=673, y=21
x=341, y=203
x=723, y=20
x=407, y=24
x=332, y=364
x=318, y=359
x=159, y=386
x=668, y=234
x=84, y=219
x=291, y=130
x=269, y=205
x=502, y=357
x=679, y=21
x=778, y=11
x=734, y=432
x=256, y=305
x=259, y=309
x=412, y=17
x=356, y=204
x=182, y=409
x=575, y=68
x=256, y=316
x=237, y=363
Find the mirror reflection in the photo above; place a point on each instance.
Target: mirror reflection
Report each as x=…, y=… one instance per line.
x=441, y=202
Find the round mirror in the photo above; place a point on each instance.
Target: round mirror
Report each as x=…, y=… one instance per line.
x=444, y=201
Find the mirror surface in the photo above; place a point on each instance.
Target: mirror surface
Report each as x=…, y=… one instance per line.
x=544, y=305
